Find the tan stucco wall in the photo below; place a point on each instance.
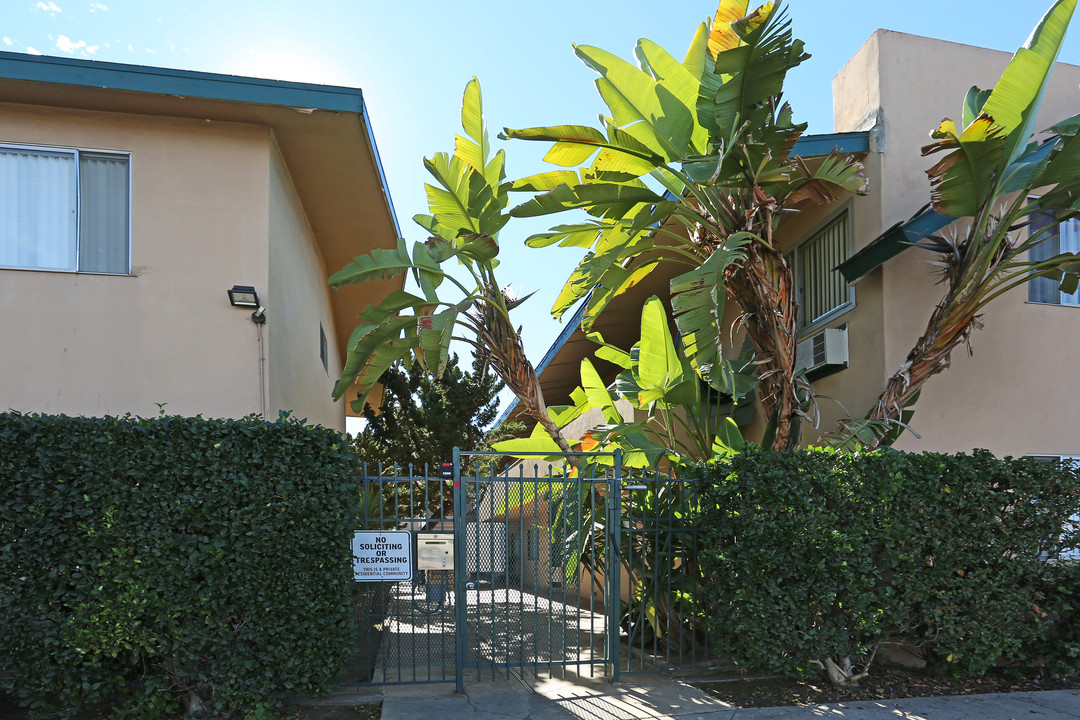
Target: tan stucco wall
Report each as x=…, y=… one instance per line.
x=1008, y=397
x=297, y=302
x=91, y=345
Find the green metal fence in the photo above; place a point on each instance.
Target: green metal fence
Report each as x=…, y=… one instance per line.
x=541, y=569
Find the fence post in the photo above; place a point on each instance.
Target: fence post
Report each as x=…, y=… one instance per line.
x=461, y=630
x=614, y=562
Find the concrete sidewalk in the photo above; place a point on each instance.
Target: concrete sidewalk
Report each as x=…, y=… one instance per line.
x=657, y=697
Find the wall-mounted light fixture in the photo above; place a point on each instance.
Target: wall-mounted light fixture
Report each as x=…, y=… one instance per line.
x=243, y=296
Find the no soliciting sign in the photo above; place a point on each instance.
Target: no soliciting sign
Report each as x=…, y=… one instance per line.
x=382, y=555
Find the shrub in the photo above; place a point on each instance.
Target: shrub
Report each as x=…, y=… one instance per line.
x=172, y=559
x=814, y=558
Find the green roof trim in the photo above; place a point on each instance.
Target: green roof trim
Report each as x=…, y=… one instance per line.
x=162, y=81
x=892, y=242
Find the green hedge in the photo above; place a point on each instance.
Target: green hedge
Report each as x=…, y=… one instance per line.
x=172, y=561
x=814, y=555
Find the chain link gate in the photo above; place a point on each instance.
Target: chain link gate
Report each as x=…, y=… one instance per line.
x=527, y=576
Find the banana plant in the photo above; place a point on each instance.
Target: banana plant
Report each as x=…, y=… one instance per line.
x=991, y=167
x=678, y=419
x=693, y=166
x=467, y=203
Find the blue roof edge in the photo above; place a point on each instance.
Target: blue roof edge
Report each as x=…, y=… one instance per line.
x=847, y=142
x=379, y=169
x=167, y=81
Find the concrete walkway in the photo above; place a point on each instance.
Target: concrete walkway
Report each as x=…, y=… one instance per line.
x=657, y=697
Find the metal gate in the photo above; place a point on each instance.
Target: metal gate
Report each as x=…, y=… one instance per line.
x=541, y=569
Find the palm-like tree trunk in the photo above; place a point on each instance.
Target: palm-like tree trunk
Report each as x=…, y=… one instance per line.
x=764, y=288
x=950, y=325
x=502, y=344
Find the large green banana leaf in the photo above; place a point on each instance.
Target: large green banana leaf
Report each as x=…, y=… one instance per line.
x=697, y=302
x=999, y=126
x=467, y=201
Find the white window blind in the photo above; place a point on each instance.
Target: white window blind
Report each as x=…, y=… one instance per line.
x=1064, y=238
x=64, y=210
x=822, y=287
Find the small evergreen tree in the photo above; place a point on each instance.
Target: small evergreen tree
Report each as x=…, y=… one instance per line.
x=421, y=418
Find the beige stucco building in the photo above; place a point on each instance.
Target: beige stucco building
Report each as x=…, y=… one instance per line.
x=1013, y=395
x=133, y=198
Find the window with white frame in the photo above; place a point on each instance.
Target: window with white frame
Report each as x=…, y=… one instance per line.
x=822, y=289
x=1065, y=237
x=64, y=209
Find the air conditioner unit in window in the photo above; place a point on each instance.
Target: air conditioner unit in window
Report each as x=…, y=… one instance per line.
x=822, y=352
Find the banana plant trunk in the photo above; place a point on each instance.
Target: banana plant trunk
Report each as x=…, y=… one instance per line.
x=764, y=288
x=504, y=348
x=950, y=325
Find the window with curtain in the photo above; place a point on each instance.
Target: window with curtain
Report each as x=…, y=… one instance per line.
x=822, y=289
x=64, y=210
x=1065, y=237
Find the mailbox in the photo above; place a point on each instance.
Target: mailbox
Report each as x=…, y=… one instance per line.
x=434, y=551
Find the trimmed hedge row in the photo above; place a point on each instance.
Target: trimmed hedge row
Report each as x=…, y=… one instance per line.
x=172, y=561
x=813, y=555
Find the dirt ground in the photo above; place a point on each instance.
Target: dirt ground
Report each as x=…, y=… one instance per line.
x=883, y=685
x=359, y=712
x=10, y=711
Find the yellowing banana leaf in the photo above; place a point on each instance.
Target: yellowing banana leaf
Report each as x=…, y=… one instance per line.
x=721, y=36
x=750, y=73
x=974, y=170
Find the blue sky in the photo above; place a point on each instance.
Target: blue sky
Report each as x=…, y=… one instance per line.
x=412, y=58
